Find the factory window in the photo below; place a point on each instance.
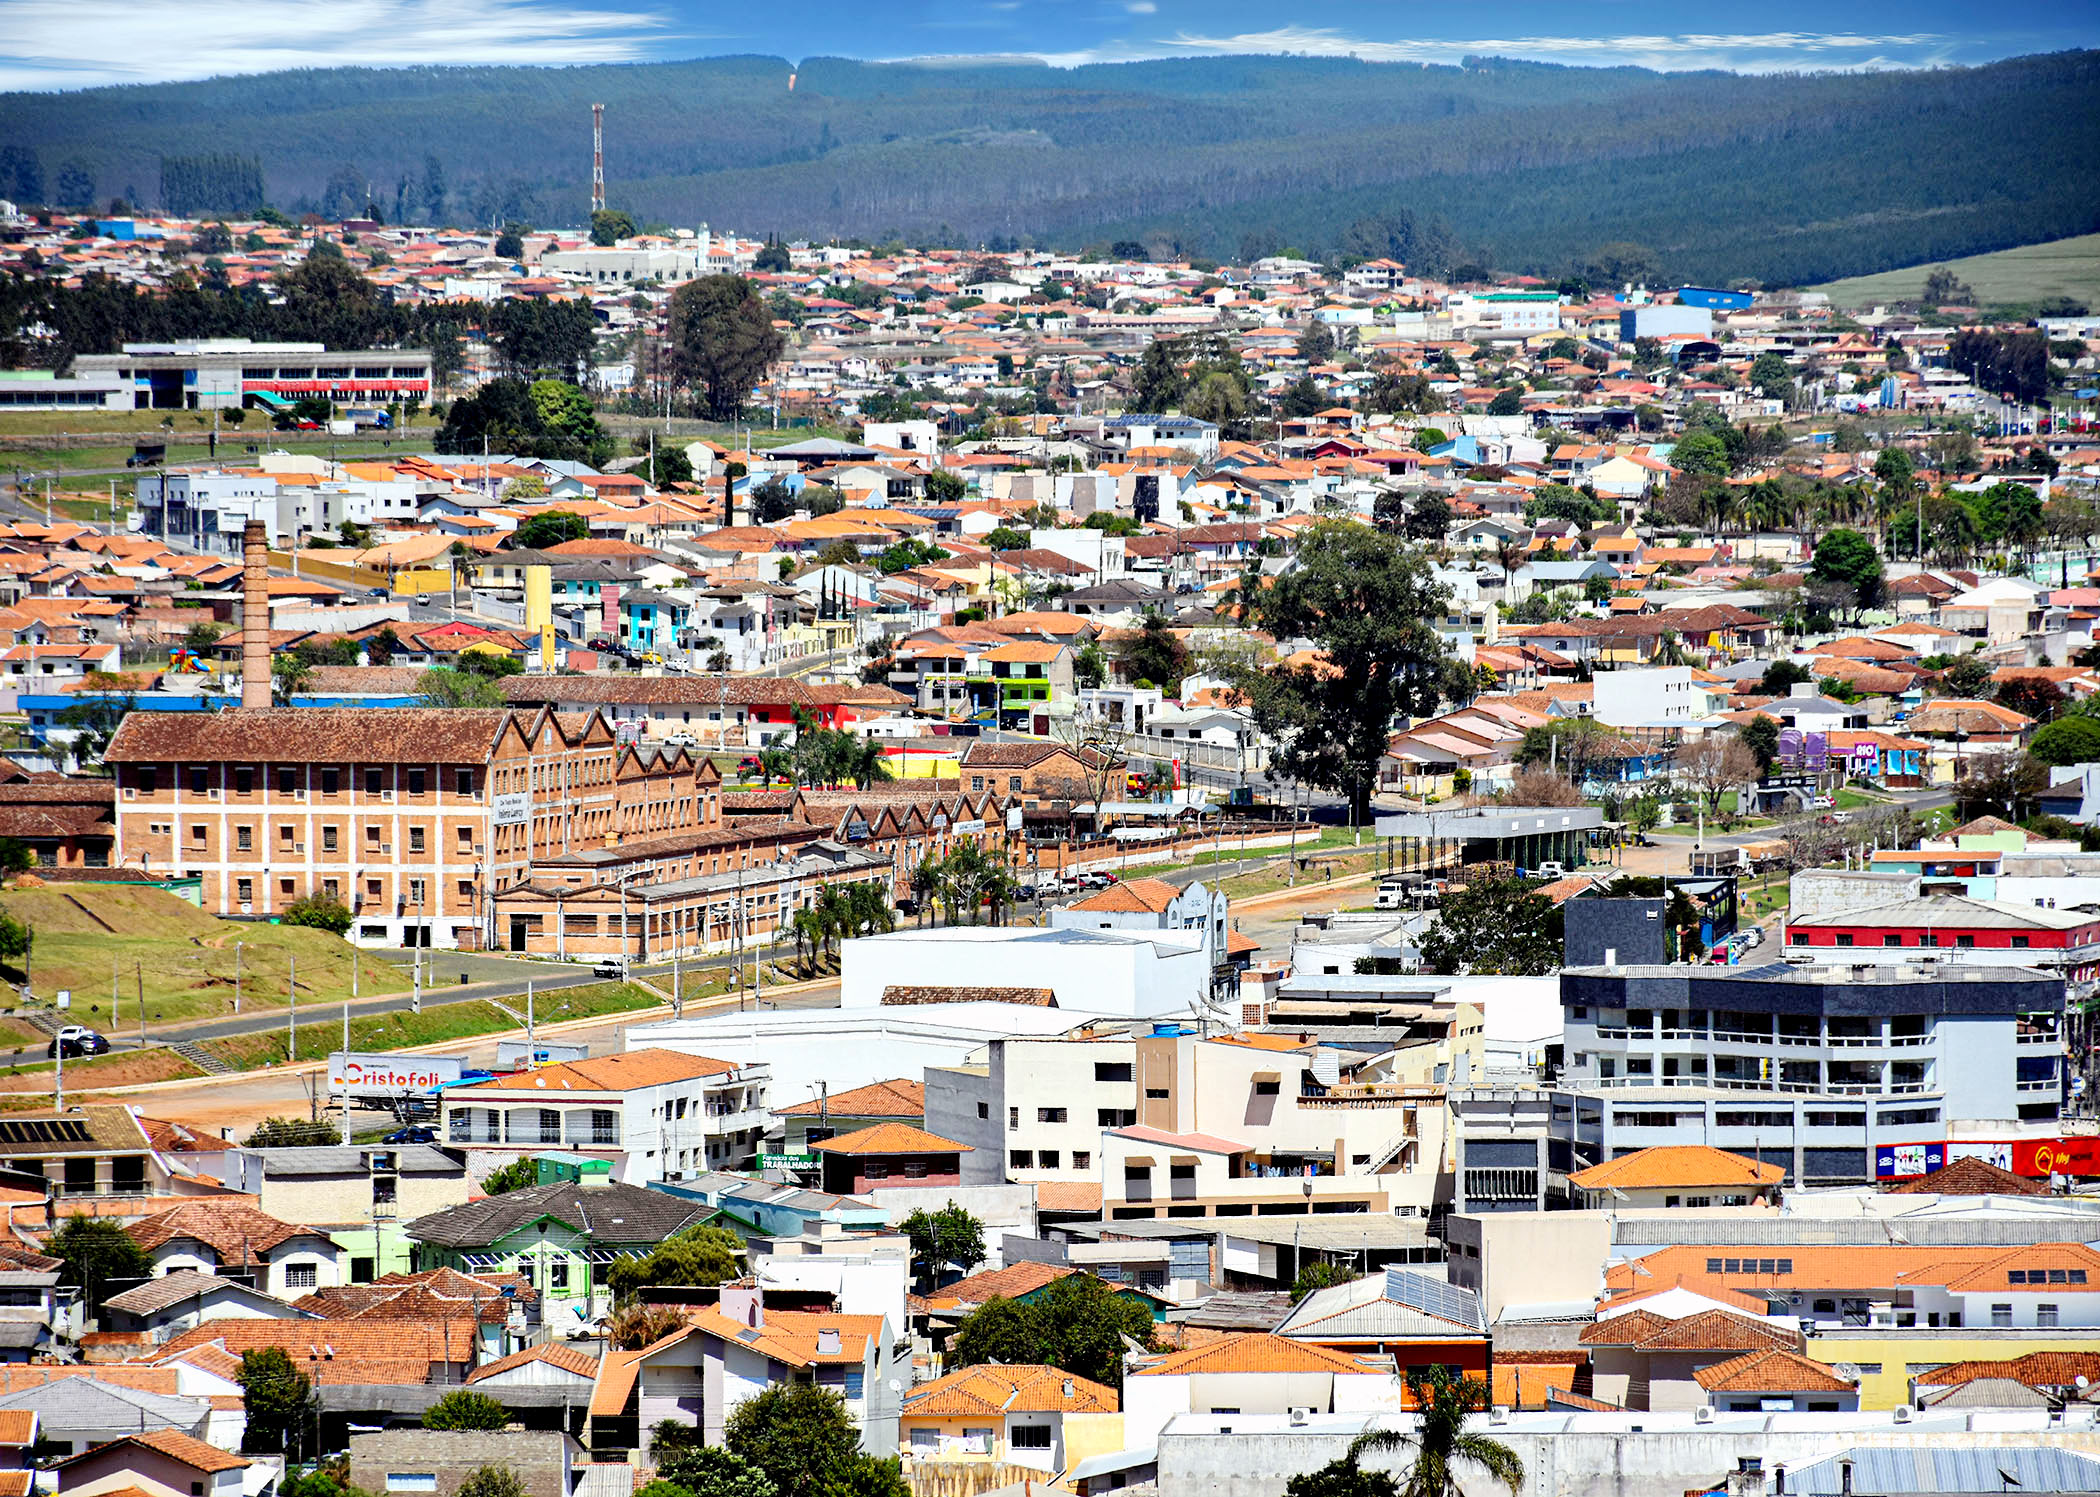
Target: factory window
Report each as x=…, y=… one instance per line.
x=148, y=781
x=331, y=781
x=1049, y=1114
x=415, y=839
x=1844, y=938
x=1082, y=1159
x=287, y=781
x=244, y=838
x=375, y=781
x=244, y=780
x=415, y=782
x=2045, y=1315
x=2001, y=1315
x=329, y=835
x=1109, y=1070
x=2021, y=943
x=1964, y=941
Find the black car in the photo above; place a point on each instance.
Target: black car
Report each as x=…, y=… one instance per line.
x=415, y=1135
x=73, y=1040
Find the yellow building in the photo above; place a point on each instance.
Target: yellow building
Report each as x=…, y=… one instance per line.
x=1887, y=1359
x=1035, y=1417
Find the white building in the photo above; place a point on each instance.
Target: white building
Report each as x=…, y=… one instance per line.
x=1033, y=1108
x=1105, y=973
x=658, y=1114
x=1647, y=696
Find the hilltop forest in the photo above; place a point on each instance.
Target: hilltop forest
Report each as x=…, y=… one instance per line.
x=1521, y=166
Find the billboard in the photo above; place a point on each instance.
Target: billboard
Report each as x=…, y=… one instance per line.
x=1907, y=1161
x=361, y=1075
x=2035, y=1158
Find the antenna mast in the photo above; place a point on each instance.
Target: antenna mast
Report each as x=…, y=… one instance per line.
x=597, y=158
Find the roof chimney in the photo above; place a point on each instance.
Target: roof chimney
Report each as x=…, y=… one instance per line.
x=255, y=615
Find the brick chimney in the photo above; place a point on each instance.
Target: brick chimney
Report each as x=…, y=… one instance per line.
x=255, y=615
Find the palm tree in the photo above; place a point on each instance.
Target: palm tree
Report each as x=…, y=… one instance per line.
x=925, y=883
x=776, y=764
x=808, y=933
x=1441, y=1441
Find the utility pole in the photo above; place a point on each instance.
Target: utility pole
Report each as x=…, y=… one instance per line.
x=346, y=1047
x=291, y=1014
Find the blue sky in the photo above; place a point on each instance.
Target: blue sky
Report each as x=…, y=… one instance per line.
x=47, y=44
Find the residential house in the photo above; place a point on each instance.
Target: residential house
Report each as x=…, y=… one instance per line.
x=826, y=1116
x=558, y=1238
x=216, y=1236
x=1016, y=1414
x=1251, y=1374
x=656, y=1114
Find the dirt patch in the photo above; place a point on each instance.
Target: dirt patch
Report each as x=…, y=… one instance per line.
x=131, y=1068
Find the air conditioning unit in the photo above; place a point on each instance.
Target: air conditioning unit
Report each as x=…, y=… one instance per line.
x=1904, y=1413
x=1301, y=1415
x=1704, y=1414
x=387, y=796
x=131, y=792
x=212, y=794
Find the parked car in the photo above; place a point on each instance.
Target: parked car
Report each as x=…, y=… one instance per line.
x=75, y=1040
x=1551, y=870
x=614, y=967
x=416, y=1134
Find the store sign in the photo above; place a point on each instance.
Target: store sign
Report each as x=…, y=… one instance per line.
x=1908, y=1161
x=514, y=809
x=2034, y=1158
x=390, y=1075
x=966, y=828
x=787, y=1161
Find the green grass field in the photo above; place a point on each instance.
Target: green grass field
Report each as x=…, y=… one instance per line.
x=88, y=934
x=2062, y=267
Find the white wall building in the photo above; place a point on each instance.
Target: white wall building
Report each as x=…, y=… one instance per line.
x=1105, y=973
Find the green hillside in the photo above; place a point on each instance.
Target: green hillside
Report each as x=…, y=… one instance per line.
x=1708, y=176
x=2014, y=277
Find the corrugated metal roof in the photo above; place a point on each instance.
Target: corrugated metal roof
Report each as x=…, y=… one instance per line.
x=1946, y=1469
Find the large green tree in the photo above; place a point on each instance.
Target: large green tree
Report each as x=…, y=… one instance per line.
x=1369, y=602
x=95, y=1251
x=2068, y=740
x=798, y=1434
x=691, y=1468
x=1494, y=925
x=465, y=1408
x=1078, y=1323
x=722, y=340
x=700, y=1255
x=939, y=1239
x=279, y=1399
x=1848, y=559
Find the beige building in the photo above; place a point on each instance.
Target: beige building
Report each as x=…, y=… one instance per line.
x=349, y=1186
x=1266, y=1124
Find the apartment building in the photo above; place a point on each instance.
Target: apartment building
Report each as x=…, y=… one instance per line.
x=1034, y=1110
x=420, y=821
x=1268, y=1125
x=657, y=1114
x=1812, y=1068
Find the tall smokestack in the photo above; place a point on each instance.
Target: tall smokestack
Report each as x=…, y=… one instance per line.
x=597, y=158
x=255, y=615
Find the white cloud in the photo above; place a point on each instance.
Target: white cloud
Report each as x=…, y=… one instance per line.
x=47, y=44
x=1140, y=7
x=1742, y=52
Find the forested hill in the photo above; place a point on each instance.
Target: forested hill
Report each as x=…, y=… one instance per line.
x=1788, y=179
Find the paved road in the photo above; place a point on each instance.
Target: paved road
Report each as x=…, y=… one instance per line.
x=1914, y=801
x=490, y=976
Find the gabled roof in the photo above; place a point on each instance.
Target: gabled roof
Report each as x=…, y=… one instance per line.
x=1135, y=896
x=616, y=1214
x=1010, y=1282
x=1254, y=1352
x=611, y=1073
x=235, y=1230
x=173, y=1444
x=992, y=1391
x=1667, y=1166
x=1772, y=1371
x=891, y=1138
x=902, y=1098
x=554, y=1354
x=1969, y=1176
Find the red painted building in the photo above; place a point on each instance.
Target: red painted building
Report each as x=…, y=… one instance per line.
x=889, y=1154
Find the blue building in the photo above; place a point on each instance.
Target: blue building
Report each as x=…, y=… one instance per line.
x=1713, y=299
x=651, y=620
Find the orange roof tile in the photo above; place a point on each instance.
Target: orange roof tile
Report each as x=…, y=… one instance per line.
x=1771, y=1371
x=553, y=1353
x=900, y=1098
x=1024, y=1388
x=891, y=1138
x=612, y=1073
x=1669, y=1165
x=176, y=1446
x=1148, y=896
x=1252, y=1352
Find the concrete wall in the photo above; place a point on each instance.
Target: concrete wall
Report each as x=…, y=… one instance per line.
x=541, y=1458
x=1131, y=977
x=1575, y=1456
x=1832, y=891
